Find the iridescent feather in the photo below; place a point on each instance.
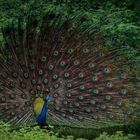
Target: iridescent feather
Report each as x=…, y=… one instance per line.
x=89, y=84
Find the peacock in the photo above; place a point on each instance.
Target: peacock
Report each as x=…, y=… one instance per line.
x=56, y=71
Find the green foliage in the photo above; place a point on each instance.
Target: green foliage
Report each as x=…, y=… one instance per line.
x=117, y=136
x=117, y=21
x=116, y=26
x=35, y=133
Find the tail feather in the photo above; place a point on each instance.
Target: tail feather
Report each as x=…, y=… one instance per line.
x=89, y=84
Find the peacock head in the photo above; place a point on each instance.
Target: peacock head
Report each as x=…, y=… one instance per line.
x=48, y=98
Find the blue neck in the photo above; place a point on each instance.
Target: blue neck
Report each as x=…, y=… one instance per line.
x=41, y=119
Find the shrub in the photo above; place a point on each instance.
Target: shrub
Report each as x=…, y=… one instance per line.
x=117, y=136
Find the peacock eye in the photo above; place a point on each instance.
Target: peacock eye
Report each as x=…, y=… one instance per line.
x=38, y=87
x=40, y=72
x=12, y=96
x=45, y=81
x=134, y=99
x=32, y=66
x=26, y=75
x=119, y=103
x=62, y=63
x=123, y=75
x=55, y=53
x=63, y=115
x=109, y=84
x=122, y=91
x=50, y=67
x=7, y=107
x=94, y=116
x=66, y=75
x=70, y=51
x=55, y=95
x=23, y=109
x=82, y=87
x=93, y=102
x=101, y=54
x=87, y=110
x=128, y=111
x=28, y=103
x=94, y=78
x=81, y=75
x=32, y=53
x=12, y=85
x=44, y=59
x=55, y=77
x=24, y=96
x=70, y=110
x=21, y=62
x=85, y=50
x=80, y=97
x=94, y=91
x=76, y=62
x=90, y=65
x=10, y=62
x=76, y=104
x=65, y=102
x=34, y=81
x=68, y=85
x=4, y=75
x=107, y=97
x=56, y=86
x=106, y=70
x=80, y=117
x=102, y=106
x=57, y=108
x=15, y=74
x=68, y=95
x=109, y=115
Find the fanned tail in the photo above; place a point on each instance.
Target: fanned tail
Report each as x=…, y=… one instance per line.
x=90, y=84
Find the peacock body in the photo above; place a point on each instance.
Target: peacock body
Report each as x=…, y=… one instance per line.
x=88, y=84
